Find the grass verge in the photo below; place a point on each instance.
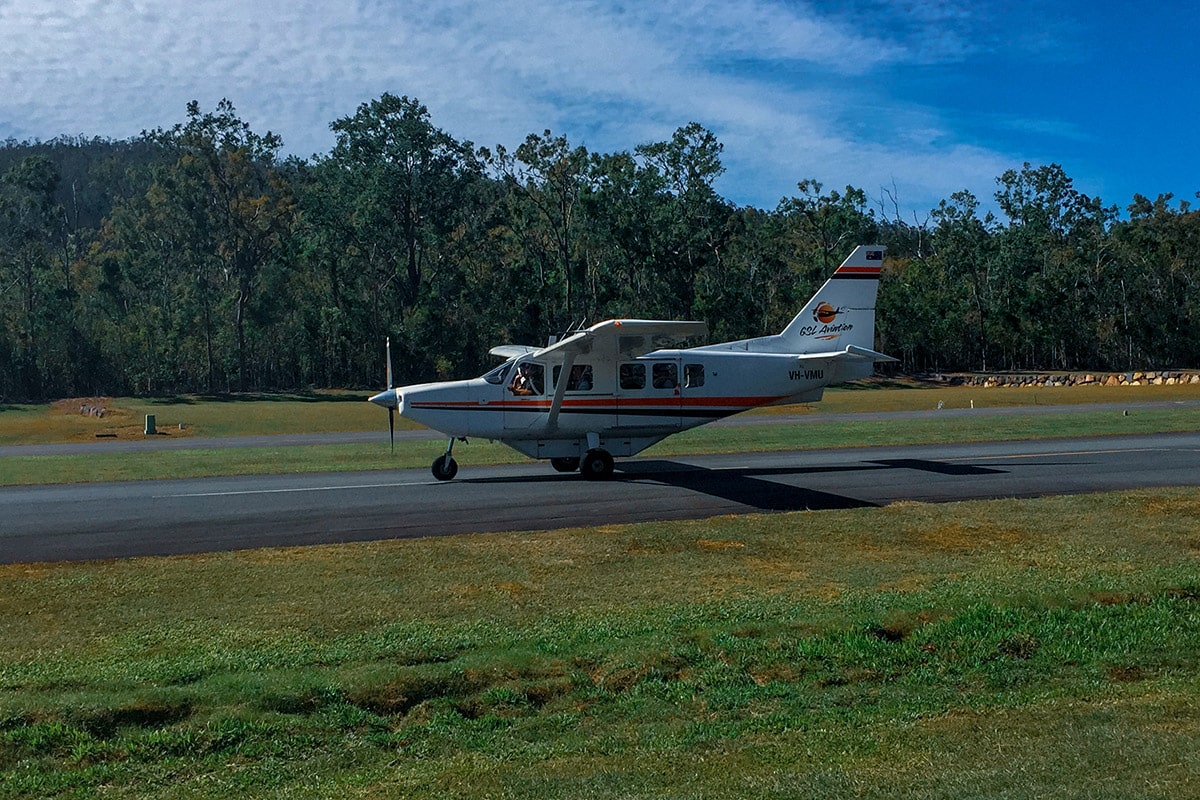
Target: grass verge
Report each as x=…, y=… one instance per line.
x=332, y=412
x=844, y=432
x=1045, y=648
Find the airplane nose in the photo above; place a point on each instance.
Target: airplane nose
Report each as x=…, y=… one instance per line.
x=386, y=399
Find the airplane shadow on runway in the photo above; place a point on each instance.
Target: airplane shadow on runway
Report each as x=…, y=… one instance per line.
x=746, y=485
x=751, y=486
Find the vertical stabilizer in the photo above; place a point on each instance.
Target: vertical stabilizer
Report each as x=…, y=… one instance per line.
x=842, y=313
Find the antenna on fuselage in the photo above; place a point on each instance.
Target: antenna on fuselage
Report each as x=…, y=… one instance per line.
x=574, y=327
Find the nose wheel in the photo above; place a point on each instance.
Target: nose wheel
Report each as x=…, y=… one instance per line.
x=597, y=465
x=444, y=466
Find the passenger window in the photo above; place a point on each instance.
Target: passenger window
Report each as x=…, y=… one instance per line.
x=666, y=376
x=693, y=375
x=528, y=380
x=580, y=379
x=633, y=376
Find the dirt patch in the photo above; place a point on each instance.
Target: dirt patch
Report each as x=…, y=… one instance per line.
x=85, y=406
x=719, y=544
x=91, y=418
x=1166, y=505
x=956, y=537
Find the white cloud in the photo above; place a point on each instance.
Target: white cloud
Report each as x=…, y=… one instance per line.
x=782, y=86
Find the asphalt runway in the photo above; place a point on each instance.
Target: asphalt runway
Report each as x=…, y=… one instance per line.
x=117, y=520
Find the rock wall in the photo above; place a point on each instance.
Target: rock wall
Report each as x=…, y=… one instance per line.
x=1170, y=378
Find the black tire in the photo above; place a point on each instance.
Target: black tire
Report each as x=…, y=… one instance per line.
x=597, y=465
x=565, y=464
x=444, y=468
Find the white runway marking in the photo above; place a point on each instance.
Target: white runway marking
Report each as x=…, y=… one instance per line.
x=1057, y=454
x=296, y=489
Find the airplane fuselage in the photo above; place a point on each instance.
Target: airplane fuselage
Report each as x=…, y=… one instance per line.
x=628, y=404
x=617, y=387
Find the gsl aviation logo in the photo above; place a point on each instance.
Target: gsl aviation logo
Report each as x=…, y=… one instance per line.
x=825, y=313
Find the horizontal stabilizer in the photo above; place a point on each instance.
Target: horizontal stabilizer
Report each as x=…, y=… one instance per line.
x=852, y=353
x=862, y=352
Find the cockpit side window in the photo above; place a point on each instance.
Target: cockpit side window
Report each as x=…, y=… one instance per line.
x=528, y=380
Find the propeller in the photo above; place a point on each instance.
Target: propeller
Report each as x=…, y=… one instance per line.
x=391, y=408
x=387, y=398
x=388, y=345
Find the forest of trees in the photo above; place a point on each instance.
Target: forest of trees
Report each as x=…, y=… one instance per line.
x=197, y=259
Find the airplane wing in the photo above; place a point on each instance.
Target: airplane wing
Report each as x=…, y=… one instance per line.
x=512, y=350
x=633, y=337
x=628, y=338
x=851, y=353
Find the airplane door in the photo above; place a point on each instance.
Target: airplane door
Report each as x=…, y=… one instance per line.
x=649, y=394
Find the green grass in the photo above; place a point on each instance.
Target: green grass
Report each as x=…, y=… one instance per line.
x=235, y=415
x=843, y=431
x=1046, y=648
x=329, y=412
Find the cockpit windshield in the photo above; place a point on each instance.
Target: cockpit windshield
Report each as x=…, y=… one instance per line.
x=497, y=375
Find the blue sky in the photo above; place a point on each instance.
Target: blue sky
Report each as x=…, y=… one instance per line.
x=920, y=99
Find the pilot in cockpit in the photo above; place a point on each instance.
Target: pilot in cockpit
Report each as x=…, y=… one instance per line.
x=521, y=382
x=526, y=381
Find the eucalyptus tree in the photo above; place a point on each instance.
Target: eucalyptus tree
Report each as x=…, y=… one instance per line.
x=961, y=305
x=822, y=228
x=34, y=294
x=545, y=179
x=1156, y=268
x=617, y=237
x=1051, y=251
x=688, y=220
x=388, y=198
x=194, y=246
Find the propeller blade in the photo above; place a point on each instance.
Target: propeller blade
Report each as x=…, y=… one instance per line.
x=391, y=409
x=390, y=385
x=388, y=399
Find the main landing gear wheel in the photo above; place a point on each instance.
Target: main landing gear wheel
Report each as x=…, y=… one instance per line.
x=444, y=468
x=597, y=465
x=565, y=464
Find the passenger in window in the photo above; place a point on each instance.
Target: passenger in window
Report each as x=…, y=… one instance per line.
x=665, y=376
x=633, y=376
x=581, y=378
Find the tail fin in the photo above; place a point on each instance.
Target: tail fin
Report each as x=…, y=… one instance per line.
x=842, y=313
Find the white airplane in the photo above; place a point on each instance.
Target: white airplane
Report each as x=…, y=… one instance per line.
x=616, y=388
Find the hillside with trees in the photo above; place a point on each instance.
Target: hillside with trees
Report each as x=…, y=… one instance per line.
x=197, y=258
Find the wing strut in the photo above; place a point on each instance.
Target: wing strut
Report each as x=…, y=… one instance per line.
x=564, y=375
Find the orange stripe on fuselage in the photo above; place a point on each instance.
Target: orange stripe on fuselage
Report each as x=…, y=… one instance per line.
x=602, y=404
